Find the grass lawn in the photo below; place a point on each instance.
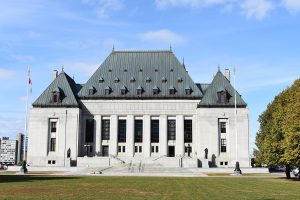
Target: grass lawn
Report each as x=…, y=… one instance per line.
x=97, y=187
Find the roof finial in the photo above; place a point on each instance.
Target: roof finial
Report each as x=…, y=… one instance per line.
x=170, y=47
x=62, y=68
x=218, y=67
x=183, y=63
x=113, y=48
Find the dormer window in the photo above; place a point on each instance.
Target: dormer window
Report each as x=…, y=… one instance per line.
x=91, y=90
x=101, y=80
x=179, y=79
x=56, y=95
x=139, y=90
x=155, y=90
x=123, y=90
x=223, y=97
x=117, y=80
x=132, y=79
x=148, y=79
x=164, y=79
x=107, y=90
x=172, y=90
x=188, y=91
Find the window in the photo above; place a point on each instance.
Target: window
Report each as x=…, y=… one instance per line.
x=155, y=90
x=124, y=149
x=171, y=129
x=107, y=90
x=188, y=91
x=154, y=131
x=172, y=90
x=101, y=80
x=91, y=90
x=89, y=130
x=148, y=79
x=138, y=131
x=221, y=163
x=226, y=163
x=222, y=97
x=105, y=129
x=53, y=162
x=123, y=90
x=52, y=144
x=223, y=145
x=122, y=131
x=164, y=79
x=140, y=149
x=223, y=127
x=132, y=79
x=119, y=149
x=117, y=80
x=55, y=97
x=49, y=162
x=188, y=131
x=53, y=127
x=139, y=90
x=179, y=79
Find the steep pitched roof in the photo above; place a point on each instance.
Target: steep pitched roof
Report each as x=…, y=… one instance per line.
x=219, y=83
x=141, y=68
x=68, y=89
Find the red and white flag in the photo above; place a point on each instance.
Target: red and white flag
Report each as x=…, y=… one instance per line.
x=29, y=80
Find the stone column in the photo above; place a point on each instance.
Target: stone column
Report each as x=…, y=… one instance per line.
x=179, y=149
x=163, y=135
x=146, y=135
x=130, y=136
x=98, y=144
x=113, y=140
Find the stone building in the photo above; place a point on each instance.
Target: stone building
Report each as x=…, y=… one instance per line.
x=139, y=106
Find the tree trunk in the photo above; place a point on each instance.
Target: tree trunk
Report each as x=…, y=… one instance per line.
x=287, y=171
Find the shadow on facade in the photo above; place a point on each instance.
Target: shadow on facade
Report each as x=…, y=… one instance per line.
x=213, y=163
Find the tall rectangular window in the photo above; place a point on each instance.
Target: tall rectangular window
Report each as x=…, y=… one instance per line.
x=138, y=130
x=122, y=131
x=154, y=131
x=223, y=127
x=105, y=129
x=171, y=129
x=188, y=131
x=53, y=127
x=89, y=130
x=52, y=144
x=223, y=145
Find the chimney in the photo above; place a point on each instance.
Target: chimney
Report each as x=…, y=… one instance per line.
x=227, y=74
x=54, y=74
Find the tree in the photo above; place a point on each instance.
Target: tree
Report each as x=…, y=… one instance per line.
x=278, y=138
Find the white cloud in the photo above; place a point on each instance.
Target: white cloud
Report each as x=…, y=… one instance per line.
x=103, y=8
x=256, y=8
x=291, y=5
x=6, y=74
x=164, y=35
x=161, y=4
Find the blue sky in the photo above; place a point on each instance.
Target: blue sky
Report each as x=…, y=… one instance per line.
x=259, y=37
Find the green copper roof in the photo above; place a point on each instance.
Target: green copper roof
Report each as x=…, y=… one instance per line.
x=219, y=83
x=145, y=69
x=67, y=88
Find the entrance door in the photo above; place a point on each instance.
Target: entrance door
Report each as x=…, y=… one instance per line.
x=171, y=151
x=105, y=151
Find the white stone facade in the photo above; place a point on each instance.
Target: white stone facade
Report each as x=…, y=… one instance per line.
x=71, y=132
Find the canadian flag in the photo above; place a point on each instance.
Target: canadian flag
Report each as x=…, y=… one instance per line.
x=29, y=80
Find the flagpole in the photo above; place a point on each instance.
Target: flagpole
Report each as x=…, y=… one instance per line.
x=26, y=115
x=237, y=169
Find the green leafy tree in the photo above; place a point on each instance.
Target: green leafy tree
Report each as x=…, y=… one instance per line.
x=278, y=139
